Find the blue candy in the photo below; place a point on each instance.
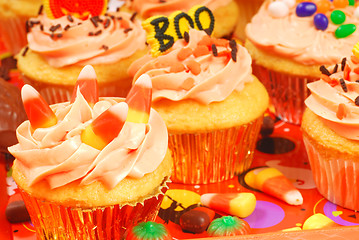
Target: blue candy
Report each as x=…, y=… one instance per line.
x=305, y=9
x=321, y=21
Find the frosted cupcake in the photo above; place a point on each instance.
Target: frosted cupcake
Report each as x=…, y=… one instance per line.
x=59, y=48
x=213, y=106
x=289, y=41
x=86, y=169
x=331, y=133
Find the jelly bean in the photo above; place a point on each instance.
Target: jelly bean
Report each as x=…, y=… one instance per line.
x=323, y=6
x=228, y=226
x=139, y=100
x=278, y=9
x=321, y=21
x=196, y=220
x=351, y=2
x=87, y=83
x=238, y=204
x=306, y=9
x=340, y=3
x=337, y=17
x=318, y=221
x=345, y=30
x=37, y=110
x=16, y=212
x=267, y=127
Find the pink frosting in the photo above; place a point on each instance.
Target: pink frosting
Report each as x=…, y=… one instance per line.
x=76, y=46
x=148, y=8
x=325, y=99
x=57, y=155
x=218, y=78
x=296, y=38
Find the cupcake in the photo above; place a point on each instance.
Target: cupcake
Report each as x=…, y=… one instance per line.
x=13, y=17
x=84, y=168
x=225, y=11
x=59, y=48
x=330, y=133
x=211, y=103
x=289, y=41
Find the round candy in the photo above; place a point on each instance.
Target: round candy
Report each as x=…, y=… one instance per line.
x=305, y=9
x=228, y=226
x=321, y=21
x=196, y=220
x=337, y=17
x=345, y=30
x=278, y=9
x=148, y=231
x=340, y=3
x=323, y=6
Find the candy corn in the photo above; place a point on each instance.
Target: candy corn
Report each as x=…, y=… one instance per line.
x=38, y=111
x=239, y=204
x=139, y=100
x=318, y=221
x=87, y=83
x=274, y=183
x=105, y=127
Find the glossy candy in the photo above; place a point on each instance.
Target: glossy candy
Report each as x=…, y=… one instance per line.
x=340, y=3
x=321, y=21
x=355, y=50
x=337, y=17
x=105, y=127
x=196, y=220
x=238, y=204
x=306, y=9
x=278, y=9
x=351, y=2
x=139, y=100
x=16, y=212
x=87, y=83
x=228, y=226
x=148, y=231
x=274, y=183
x=37, y=110
x=345, y=30
x=318, y=221
x=323, y=6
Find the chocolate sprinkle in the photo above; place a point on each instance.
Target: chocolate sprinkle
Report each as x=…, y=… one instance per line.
x=357, y=101
x=127, y=30
x=66, y=27
x=27, y=26
x=324, y=70
x=94, y=21
x=335, y=68
x=105, y=47
x=53, y=28
x=118, y=9
x=25, y=51
x=344, y=86
x=106, y=23
x=344, y=61
x=90, y=34
x=98, y=33
x=40, y=9
x=357, y=81
x=69, y=18
x=214, y=50
x=41, y=27
x=234, y=54
x=207, y=31
x=133, y=16
x=232, y=44
x=162, y=1
x=186, y=36
x=59, y=35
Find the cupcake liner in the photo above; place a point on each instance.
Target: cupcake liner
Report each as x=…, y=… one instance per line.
x=336, y=178
x=215, y=156
x=56, y=93
x=13, y=33
x=55, y=221
x=287, y=92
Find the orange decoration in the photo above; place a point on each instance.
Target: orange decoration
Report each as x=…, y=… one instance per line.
x=177, y=67
x=206, y=40
x=200, y=50
x=220, y=42
x=347, y=72
x=340, y=3
x=87, y=83
x=81, y=9
x=354, y=59
x=342, y=111
x=323, y=6
x=356, y=70
x=184, y=53
x=194, y=67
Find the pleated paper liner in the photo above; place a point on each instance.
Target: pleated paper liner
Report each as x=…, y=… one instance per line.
x=213, y=156
x=13, y=33
x=287, y=92
x=336, y=179
x=55, y=221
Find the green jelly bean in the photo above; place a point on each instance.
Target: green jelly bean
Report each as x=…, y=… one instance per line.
x=345, y=30
x=351, y=2
x=337, y=17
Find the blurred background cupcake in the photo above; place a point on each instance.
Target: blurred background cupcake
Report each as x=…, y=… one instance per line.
x=13, y=17
x=212, y=105
x=60, y=45
x=226, y=12
x=78, y=179
x=330, y=129
x=289, y=41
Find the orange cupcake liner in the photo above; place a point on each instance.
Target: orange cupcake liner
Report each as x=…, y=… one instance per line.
x=287, y=92
x=13, y=33
x=215, y=156
x=336, y=179
x=55, y=221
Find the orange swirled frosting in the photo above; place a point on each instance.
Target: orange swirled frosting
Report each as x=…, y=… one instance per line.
x=297, y=38
x=99, y=40
x=334, y=99
x=149, y=8
x=58, y=156
x=183, y=73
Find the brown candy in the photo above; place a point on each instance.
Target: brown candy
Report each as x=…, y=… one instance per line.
x=196, y=220
x=16, y=212
x=267, y=126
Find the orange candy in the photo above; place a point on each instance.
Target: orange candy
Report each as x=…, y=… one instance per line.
x=87, y=84
x=340, y=3
x=323, y=6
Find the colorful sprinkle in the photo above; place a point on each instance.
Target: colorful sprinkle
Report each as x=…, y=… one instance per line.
x=321, y=21
x=343, y=85
x=342, y=111
x=335, y=69
x=343, y=63
x=184, y=53
x=306, y=9
x=324, y=70
x=278, y=9
x=337, y=17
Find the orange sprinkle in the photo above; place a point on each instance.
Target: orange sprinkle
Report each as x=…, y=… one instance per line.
x=124, y=24
x=356, y=70
x=340, y=3
x=177, y=67
x=342, y=111
x=346, y=72
x=224, y=53
x=354, y=59
x=330, y=81
x=188, y=84
x=221, y=42
x=206, y=40
x=200, y=50
x=184, y=53
x=194, y=67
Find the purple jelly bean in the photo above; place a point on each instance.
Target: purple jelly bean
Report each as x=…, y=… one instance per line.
x=321, y=21
x=306, y=9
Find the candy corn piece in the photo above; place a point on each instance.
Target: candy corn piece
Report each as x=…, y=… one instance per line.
x=318, y=221
x=105, y=127
x=87, y=83
x=139, y=100
x=38, y=111
x=239, y=204
x=273, y=182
